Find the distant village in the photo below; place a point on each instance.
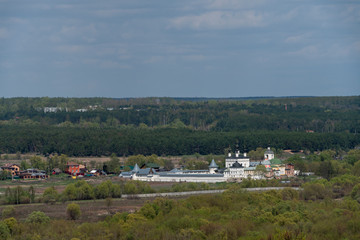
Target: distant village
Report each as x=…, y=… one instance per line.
x=238, y=166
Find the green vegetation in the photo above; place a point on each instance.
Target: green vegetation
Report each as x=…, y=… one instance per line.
x=18, y=195
x=8, y=211
x=37, y=217
x=173, y=142
x=73, y=211
x=176, y=126
x=285, y=214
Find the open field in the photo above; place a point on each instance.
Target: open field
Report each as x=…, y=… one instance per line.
x=92, y=210
x=60, y=183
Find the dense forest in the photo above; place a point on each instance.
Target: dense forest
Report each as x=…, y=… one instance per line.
x=170, y=126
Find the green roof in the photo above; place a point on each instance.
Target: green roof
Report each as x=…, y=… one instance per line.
x=275, y=161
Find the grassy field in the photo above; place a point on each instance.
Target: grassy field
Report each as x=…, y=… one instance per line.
x=92, y=210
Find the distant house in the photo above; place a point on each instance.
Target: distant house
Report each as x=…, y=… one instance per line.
x=56, y=171
x=72, y=168
x=13, y=168
x=52, y=109
x=289, y=170
x=33, y=174
x=97, y=172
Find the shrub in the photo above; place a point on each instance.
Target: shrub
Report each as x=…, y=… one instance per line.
x=73, y=211
x=70, y=192
x=8, y=211
x=289, y=194
x=315, y=191
x=355, y=193
x=37, y=217
x=4, y=231
x=50, y=195
x=12, y=224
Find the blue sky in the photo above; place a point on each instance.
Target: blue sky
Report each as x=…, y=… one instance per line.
x=188, y=48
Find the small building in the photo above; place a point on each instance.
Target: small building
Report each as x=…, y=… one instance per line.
x=213, y=167
x=56, y=171
x=289, y=170
x=14, y=169
x=33, y=173
x=269, y=154
x=73, y=168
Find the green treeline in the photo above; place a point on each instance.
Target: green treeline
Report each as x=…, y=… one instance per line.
x=331, y=114
x=97, y=142
x=167, y=126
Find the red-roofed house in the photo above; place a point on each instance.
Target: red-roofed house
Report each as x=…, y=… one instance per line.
x=72, y=168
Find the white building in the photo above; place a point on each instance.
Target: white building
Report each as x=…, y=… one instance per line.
x=235, y=171
x=237, y=167
x=242, y=159
x=268, y=155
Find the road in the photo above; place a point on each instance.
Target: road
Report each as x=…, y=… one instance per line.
x=178, y=194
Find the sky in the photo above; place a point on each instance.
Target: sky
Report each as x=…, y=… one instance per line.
x=172, y=48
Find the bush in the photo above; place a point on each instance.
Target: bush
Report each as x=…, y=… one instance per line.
x=12, y=224
x=315, y=191
x=8, y=211
x=355, y=193
x=289, y=194
x=37, y=217
x=50, y=195
x=4, y=231
x=73, y=211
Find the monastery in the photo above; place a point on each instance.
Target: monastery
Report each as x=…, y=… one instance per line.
x=237, y=167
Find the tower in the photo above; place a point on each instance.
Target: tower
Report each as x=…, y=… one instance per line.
x=213, y=167
x=268, y=155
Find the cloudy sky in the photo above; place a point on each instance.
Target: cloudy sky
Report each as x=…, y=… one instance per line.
x=187, y=48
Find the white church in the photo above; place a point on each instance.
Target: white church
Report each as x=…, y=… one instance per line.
x=237, y=167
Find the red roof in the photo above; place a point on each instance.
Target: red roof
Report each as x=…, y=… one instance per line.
x=72, y=164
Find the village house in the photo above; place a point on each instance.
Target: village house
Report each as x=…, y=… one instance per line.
x=14, y=169
x=75, y=169
x=33, y=174
x=56, y=171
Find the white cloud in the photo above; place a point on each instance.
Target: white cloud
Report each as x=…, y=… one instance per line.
x=113, y=64
x=308, y=51
x=195, y=58
x=4, y=33
x=117, y=12
x=220, y=20
x=154, y=59
x=71, y=48
x=64, y=6
x=17, y=20
x=326, y=51
x=105, y=63
x=297, y=38
x=356, y=46
x=234, y=4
